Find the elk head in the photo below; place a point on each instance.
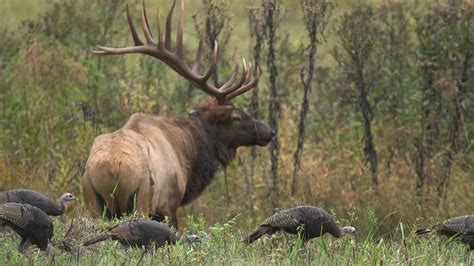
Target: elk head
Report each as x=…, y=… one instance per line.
x=230, y=125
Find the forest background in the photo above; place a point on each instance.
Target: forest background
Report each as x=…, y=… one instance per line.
x=372, y=102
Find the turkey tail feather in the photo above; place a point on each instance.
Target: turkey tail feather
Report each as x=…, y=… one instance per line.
x=97, y=239
x=423, y=231
x=257, y=234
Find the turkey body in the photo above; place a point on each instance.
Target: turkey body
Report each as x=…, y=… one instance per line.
x=29, y=222
x=33, y=198
x=461, y=228
x=138, y=233
x=309, y=220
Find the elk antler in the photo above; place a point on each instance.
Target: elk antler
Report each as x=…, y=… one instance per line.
x=175, y=59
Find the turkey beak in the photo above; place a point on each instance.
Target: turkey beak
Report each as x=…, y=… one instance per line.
x=196, y=238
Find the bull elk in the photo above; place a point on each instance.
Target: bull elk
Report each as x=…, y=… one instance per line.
x=157, y=164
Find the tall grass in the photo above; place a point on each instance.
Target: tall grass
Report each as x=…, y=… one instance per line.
x=222, y=244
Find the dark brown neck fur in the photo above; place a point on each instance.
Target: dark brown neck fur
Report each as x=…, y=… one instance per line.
x=209, y=155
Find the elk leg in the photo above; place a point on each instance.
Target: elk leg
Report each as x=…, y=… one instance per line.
x=158, y=216
x=174, y=218
x=144, y=200
x=111, y=206
x=90, y=198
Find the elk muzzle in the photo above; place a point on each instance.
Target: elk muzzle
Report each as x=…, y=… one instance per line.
x=263, y=133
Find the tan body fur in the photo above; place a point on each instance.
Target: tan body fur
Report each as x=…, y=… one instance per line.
x=125, y=162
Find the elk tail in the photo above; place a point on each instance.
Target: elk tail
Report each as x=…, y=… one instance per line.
x=258, y=233
x=97, y=239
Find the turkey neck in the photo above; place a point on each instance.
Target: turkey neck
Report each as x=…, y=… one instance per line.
x=62, y=205
x=335, y=231
x=338, y=233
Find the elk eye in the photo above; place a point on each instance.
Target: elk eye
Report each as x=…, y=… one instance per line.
x=236, y=118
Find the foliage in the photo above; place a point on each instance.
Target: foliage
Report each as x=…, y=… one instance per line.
x=360, y=68
x=315, y=16
x=416, y=64
x=222, y=244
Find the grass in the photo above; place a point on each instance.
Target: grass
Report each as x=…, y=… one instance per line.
x=329, y=173
x=222, y=244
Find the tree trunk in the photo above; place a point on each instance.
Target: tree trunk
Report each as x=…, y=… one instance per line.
x=271, y=18
x=456, y=124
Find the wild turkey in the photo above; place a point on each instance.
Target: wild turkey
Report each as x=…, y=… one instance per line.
x=461, y=228
x=37, y=199
x=30, y=222
x=311, y=221
x=141, y=233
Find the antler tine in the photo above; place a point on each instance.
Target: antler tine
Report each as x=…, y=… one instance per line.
x=232, y=87
x=168, y=28
x=146, y=26
x=246, y=87
x=208, y=74
x=160, y=32
x=249, y=73
x=127, y=50
x=197, y=60
x=135, y=37
x=179, y=33
x=226, y=87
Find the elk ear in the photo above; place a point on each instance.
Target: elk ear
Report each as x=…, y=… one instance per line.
x=221, y=113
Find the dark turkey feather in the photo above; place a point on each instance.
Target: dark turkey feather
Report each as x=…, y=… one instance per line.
x=141, y=233
x=31, y=223
x=309, y=220
x=262, y=230
x=461, y=228
x=36, y=199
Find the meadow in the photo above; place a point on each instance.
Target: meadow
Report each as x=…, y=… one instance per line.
x=388, y=129
x=222, y=244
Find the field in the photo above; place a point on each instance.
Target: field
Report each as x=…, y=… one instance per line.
x=389, y=124
x=222, y=244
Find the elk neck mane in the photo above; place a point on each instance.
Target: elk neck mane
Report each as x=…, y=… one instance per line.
x=207, y=155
